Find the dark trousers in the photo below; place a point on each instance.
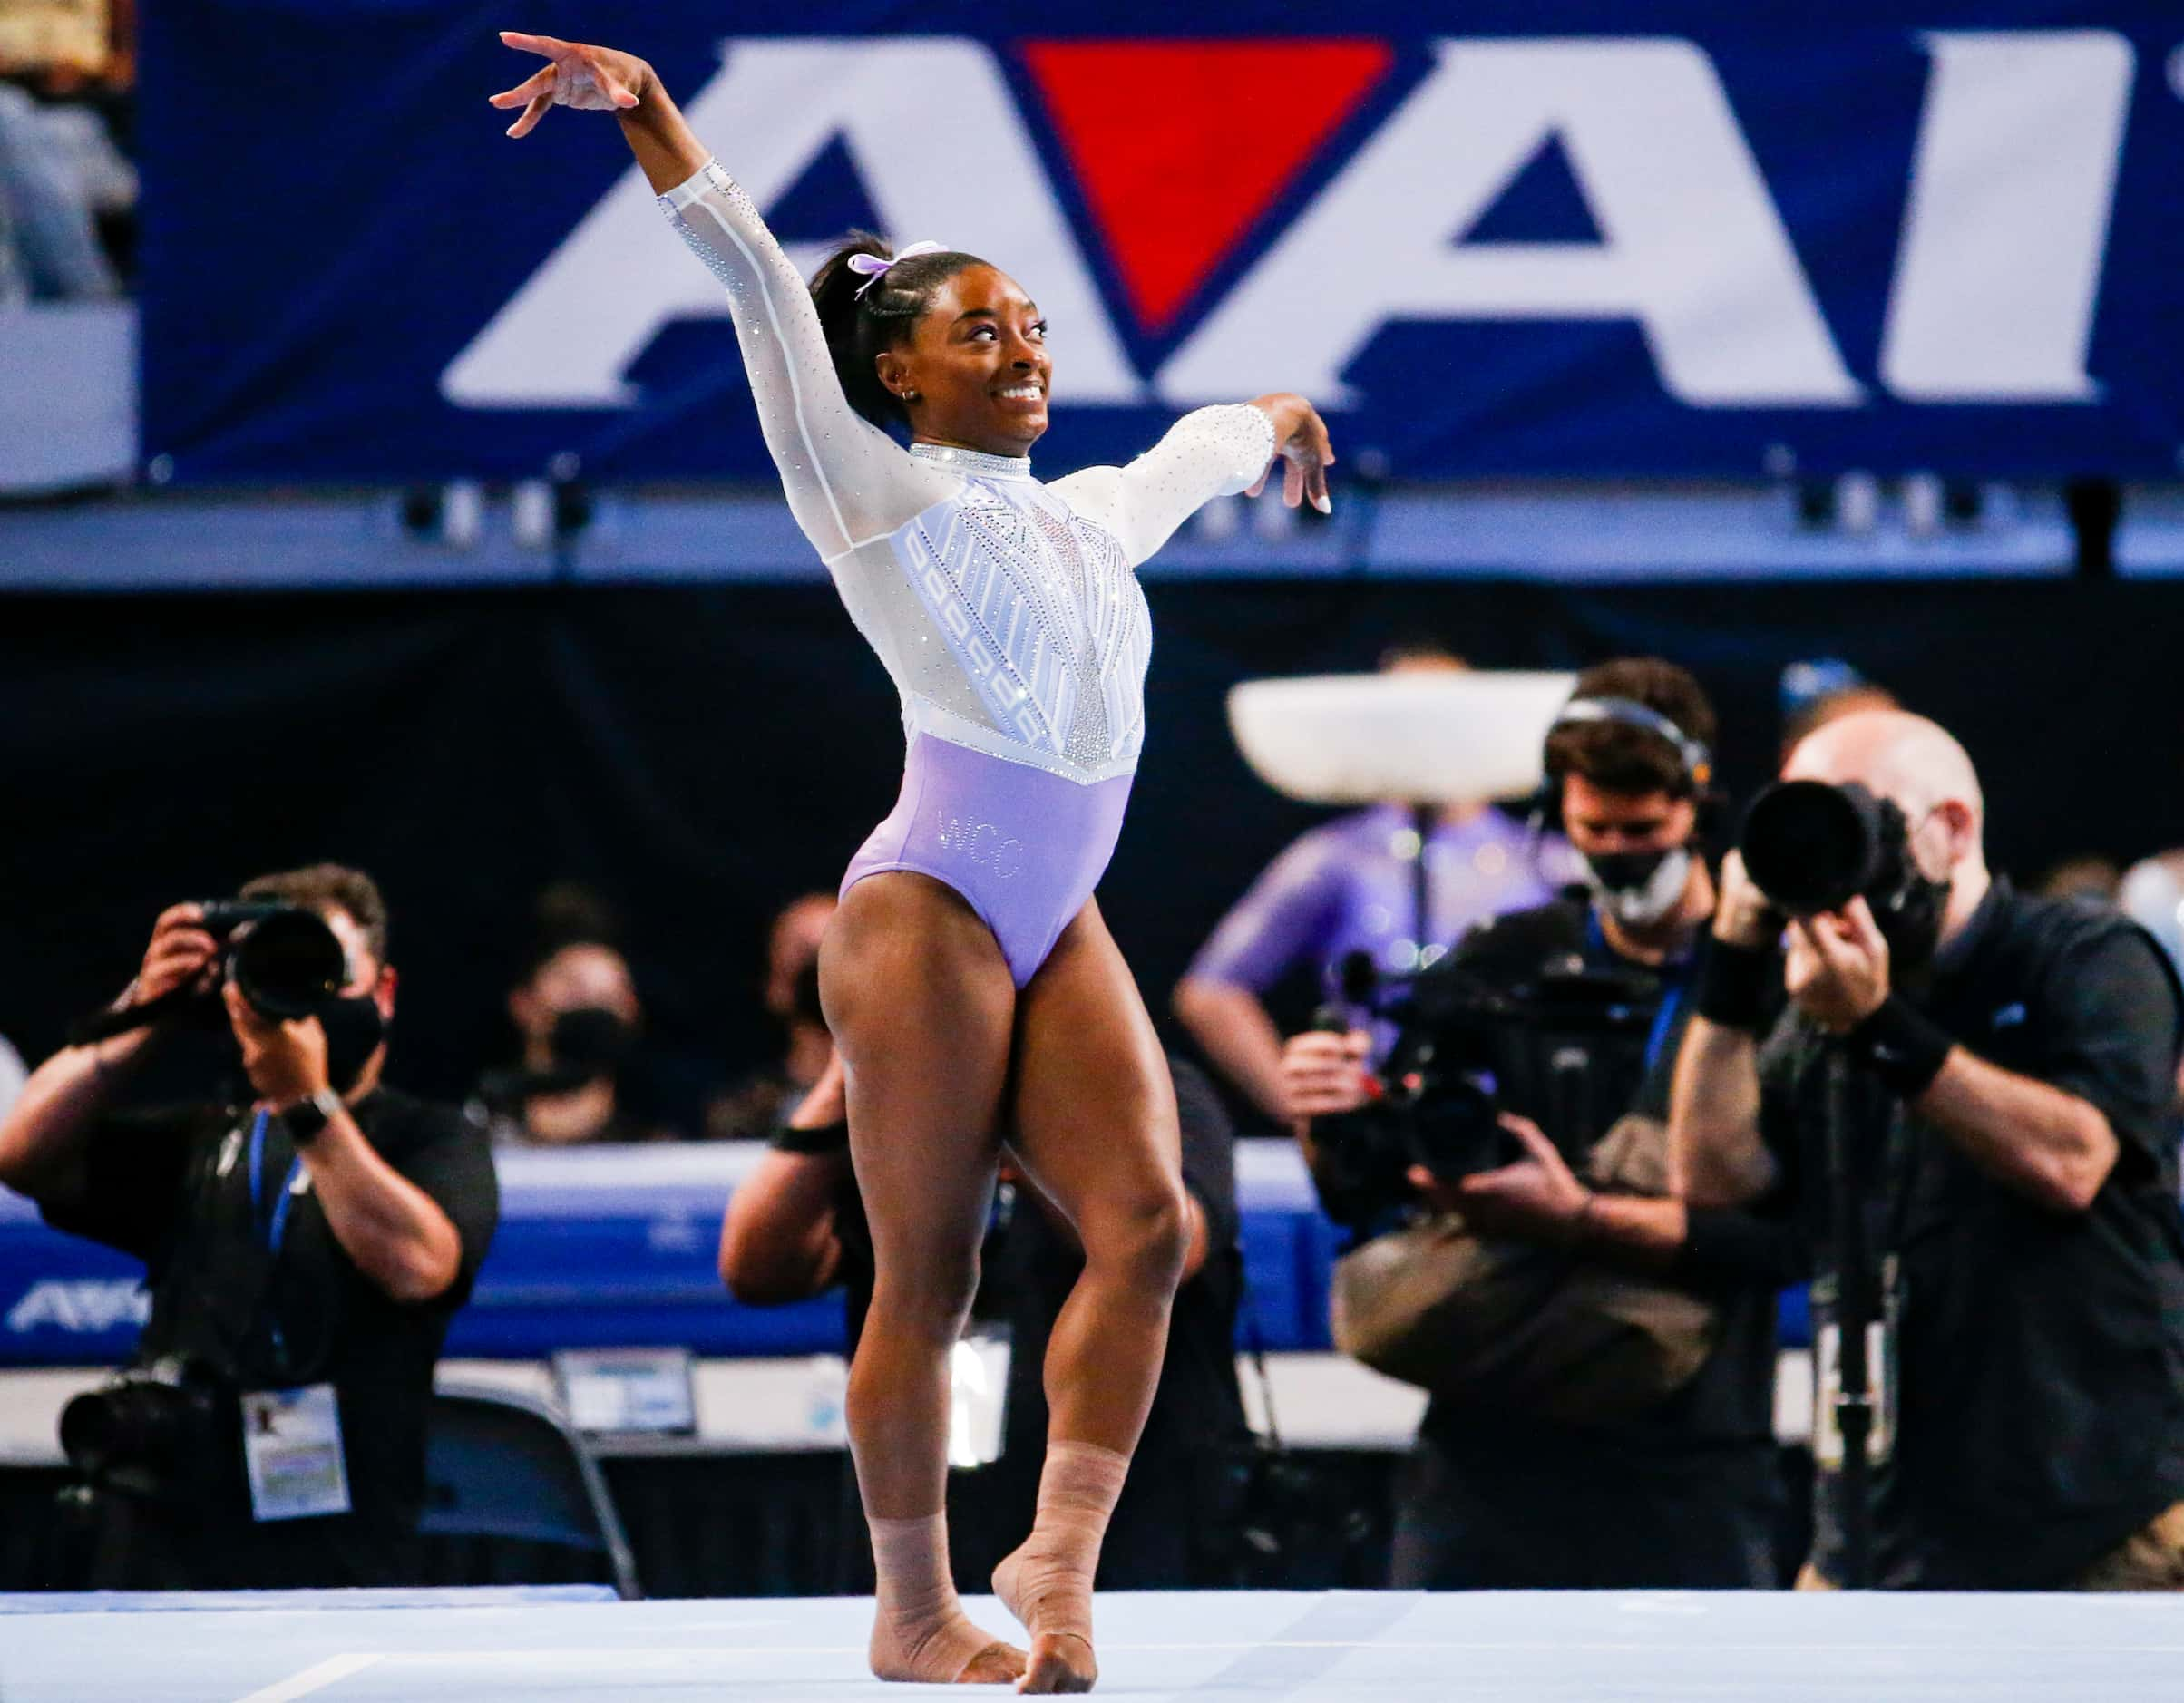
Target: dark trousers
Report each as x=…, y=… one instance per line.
x=1481, y=1519
x=142, y=1545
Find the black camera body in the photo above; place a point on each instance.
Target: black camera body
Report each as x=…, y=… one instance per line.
x=154, y=1431
x=1811, y=848
x=285, y=958
x=1564, y=1046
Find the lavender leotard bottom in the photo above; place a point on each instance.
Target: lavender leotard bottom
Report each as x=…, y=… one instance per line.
x=1023, y=847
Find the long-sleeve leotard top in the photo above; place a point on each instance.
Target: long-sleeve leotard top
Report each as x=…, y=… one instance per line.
x=1006, y=609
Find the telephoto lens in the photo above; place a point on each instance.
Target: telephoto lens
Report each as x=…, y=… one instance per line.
x=1811, y=847
x=288, y=963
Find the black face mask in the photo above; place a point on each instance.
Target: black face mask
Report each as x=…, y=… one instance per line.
x=355, y=1031
x=1907, y=904
x=591, y=1040
x=1639, y=887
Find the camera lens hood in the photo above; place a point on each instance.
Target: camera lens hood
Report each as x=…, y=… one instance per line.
x=289, y=964
x=1811, y=847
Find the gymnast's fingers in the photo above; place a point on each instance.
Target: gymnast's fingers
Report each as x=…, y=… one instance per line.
x=1292, y=480
x=549, y=45
x=529, y=89
x=538, y=109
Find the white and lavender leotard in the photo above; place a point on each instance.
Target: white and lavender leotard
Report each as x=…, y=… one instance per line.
x=1005, y=609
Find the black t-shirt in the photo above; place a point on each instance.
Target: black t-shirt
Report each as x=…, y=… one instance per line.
x=2041, y=1356
x=1197, y=1405
x=173, y=1188
x=1708, y=1449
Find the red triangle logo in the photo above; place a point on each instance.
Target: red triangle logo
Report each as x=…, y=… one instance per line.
x=1180, y=146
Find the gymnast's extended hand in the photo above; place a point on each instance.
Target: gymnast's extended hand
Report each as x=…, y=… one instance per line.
x=1301, y=445
x=594, y=78
x=602, y=79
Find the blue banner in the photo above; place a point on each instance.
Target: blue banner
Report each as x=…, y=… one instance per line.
x=616, y=1248
x=1554, y=238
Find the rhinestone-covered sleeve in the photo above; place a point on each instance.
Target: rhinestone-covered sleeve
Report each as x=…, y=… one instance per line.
x=848, y=482
x=1209, y=453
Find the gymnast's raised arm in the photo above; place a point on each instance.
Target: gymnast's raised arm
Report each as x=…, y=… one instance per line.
x=847, y=481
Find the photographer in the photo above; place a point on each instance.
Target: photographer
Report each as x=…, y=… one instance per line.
x=1591, y=1485
x=2010, y=1065
x=305, y=1252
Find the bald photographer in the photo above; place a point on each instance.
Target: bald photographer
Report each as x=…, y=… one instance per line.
x=306, y=1244
x=1986, y=1080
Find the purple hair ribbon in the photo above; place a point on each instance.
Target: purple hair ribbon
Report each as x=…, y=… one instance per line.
x=872, y=267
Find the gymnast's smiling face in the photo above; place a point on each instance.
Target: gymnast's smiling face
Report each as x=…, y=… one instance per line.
x=975, y=373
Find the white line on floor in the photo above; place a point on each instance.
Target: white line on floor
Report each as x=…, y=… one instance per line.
x=316, y=1678
x=662, y=1654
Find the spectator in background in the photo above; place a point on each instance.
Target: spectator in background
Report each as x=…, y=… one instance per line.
x=579, y=1019
x=1822, y=689
x=60, y=171
x=1348, y=886
x=2086, y=876
x=759, y=1106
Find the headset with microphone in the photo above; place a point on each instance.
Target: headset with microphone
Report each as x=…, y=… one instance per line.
x=1695, y=759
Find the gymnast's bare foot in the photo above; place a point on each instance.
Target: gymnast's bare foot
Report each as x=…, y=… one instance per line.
x=1060, y=1662
x=953, y=1654
x=996, y=1664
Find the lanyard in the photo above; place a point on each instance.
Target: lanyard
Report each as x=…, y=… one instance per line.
x=279, y=1226
x=1672, y=997
x=1664, y=1024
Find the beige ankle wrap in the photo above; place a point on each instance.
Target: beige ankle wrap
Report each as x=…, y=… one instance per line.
x=1047, y=1583
x=921, y=1633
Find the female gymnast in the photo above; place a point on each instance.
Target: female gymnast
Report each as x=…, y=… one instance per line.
x=971, y=986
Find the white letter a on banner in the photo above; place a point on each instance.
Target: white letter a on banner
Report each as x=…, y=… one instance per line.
x=570, y=334
x=1691, y=246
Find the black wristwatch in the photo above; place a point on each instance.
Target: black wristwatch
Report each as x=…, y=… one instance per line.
x=307, y=1118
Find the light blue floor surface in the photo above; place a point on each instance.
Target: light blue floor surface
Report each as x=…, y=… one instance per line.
x=458, y=1647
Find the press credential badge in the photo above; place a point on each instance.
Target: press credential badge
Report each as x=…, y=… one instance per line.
x=292, y=1446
